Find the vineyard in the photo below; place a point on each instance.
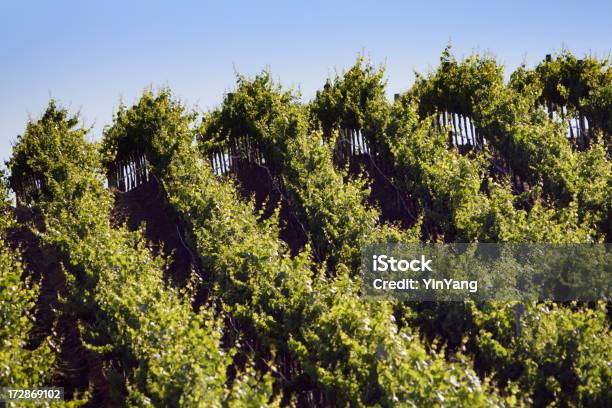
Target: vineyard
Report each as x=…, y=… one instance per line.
x=213, y=258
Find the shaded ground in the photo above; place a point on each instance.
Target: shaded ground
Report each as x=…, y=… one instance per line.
x=256, y=181
x=395, y=206
x=146, y=205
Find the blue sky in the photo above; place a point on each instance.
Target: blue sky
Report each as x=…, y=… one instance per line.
x=90, y=56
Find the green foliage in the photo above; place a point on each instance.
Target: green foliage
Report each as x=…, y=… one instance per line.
x=582, y=86
x=333, y=210
x=125, y=137
x=36, y=153
x=259, y=109
x=458, y=87
x=399, y=369
x=451, y=191
x=287, y=304
x=533, y=146
x=355, y=100
x=562, y=356
x=294, y=328
x=461, y=201
x=443, y=179
x=20, y=366
x=279, y=297
x=168, y=354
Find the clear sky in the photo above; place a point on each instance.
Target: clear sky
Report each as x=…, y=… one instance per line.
x=90, y=56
